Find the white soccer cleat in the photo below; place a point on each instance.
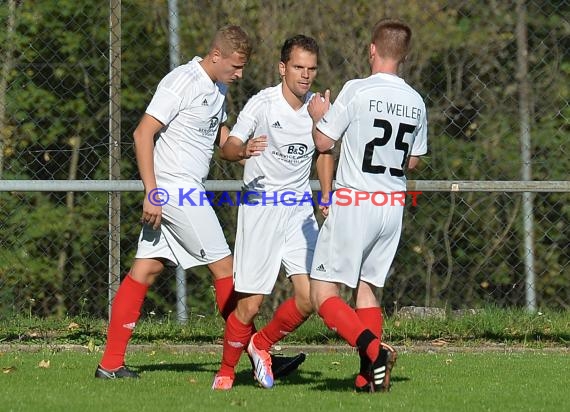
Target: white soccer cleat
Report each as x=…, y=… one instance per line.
x=261, y=364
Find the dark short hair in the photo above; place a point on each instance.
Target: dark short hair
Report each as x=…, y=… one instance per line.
x=300, y=40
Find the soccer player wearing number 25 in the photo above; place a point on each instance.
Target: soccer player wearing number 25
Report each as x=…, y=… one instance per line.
x=384, y=124
x=273, y=132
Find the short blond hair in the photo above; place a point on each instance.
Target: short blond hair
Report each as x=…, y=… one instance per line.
x=392, y=39
x=230, y=39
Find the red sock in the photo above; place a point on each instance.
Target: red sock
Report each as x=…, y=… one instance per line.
x=285, y=320
x=371, y=318
x=125, y=313
x=225, y=296
x=341, y=318
x=236, y=337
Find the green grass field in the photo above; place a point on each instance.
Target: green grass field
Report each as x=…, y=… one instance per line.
x=492, y=360
x=56, y=380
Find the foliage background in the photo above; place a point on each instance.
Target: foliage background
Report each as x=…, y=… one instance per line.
x=458, y=250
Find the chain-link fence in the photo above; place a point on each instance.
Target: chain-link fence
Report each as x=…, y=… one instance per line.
x=77, y=76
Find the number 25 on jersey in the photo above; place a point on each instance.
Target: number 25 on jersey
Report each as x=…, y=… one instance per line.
x=400, y=145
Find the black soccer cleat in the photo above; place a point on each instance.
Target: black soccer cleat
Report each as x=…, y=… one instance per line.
x=381, y=369
x=283, y=366
x=122, y=372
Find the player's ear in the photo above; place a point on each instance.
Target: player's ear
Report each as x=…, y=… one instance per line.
x=372, y=51
x=281, y=69
x=216, y=55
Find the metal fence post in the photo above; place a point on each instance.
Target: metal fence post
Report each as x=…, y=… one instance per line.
x=114, y=147
x=174, y=53
x=526, y=170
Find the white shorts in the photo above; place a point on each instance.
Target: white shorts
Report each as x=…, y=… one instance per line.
x=188, y=235
x=357, y=243
x=268, y=236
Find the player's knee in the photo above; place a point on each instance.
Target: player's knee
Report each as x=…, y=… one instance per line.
x=304, y=304
x=301, y=285
x=318, y=297
x=247, y=310
x=222, y=268
x=314, y=299
x=145, y=271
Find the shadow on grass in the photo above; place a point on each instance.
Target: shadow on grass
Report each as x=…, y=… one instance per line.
x=180, y=367
x=297, y=377
x=345, y=384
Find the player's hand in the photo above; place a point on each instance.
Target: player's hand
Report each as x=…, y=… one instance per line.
x=255, y=146
x=152, y=213
x=324, y=204
x=319, y=105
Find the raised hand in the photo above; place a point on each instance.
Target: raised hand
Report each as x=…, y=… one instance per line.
x=319, y=105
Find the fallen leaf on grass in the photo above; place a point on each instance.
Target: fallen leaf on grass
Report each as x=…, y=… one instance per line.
x=448, y=361
x=44, y=364
x=192, y=380
x=335, y=363
x=9, y=369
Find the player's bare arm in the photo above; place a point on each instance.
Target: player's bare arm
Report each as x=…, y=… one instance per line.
x=413, y=162
x=144, y=151
x=323, y=143
x=235, y=150
x=325, y=170
x=222, y=136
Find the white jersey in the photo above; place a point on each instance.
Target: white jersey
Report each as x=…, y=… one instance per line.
x=285, y=164
x=384, y=121
x=191, y=106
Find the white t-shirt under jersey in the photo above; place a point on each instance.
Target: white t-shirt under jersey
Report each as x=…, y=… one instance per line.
x=383, y=121
x=285, y=164
x=191, y=106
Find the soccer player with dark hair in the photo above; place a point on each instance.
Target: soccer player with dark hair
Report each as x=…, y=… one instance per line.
x=273, y=134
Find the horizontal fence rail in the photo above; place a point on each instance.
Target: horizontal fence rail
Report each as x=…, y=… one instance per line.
x=220, y=185
x=463, y=248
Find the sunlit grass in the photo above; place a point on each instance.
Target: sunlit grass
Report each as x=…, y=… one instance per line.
x=490, y=325
x=180, y=381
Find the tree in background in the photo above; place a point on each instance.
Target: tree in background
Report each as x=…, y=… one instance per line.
x=462, y=249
